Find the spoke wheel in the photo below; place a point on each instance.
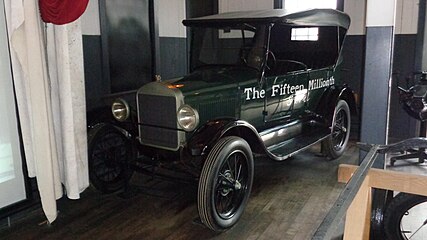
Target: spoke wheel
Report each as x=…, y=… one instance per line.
x=225, y=183
x=108, y=152
x=334, y=146
x=340, y=128
x=405, y=217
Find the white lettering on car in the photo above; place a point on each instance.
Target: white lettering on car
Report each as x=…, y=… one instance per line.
x=320, y=83
x=253, y=93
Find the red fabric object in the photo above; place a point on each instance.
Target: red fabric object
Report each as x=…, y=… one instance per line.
x=62, y=11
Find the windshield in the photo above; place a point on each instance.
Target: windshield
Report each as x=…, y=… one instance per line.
x=227, y=46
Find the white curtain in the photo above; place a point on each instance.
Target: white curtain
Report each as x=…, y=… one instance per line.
x=47, y=64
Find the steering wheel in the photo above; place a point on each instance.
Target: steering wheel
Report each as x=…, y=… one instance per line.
x=296, y=62
x=243, y=54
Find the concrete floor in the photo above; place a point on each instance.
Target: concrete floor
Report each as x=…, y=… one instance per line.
x=288, y=201
x=408, y=165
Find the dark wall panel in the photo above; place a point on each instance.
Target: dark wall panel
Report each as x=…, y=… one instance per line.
x=401, y=125
x=94, y=83
x=354, y=54
x=375, y=102
x=126, y=32
x=173, y=58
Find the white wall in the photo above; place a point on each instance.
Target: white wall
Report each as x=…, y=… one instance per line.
x=171, y=14
x=406, y=16
x=90, y=19
x=244, y=5
x=357, y=10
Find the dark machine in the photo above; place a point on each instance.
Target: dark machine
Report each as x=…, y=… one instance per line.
x=414, y=102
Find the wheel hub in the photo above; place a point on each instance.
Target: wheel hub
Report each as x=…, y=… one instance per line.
x=229, y=183
x=226, y=182
x=237, y=185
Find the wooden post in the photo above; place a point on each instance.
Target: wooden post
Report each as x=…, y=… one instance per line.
x=358, y=215
x=357, y=223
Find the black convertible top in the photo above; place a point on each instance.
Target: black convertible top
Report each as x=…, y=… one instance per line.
x=311, y=17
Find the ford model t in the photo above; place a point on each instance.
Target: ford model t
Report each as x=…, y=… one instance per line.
x=261, y=83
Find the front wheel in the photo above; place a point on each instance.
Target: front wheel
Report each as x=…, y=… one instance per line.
x=225, y=183
x=109, y=152
x=405, y=217
x=335, y=144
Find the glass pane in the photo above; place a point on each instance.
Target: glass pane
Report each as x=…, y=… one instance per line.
x=216, y=47
x=305, y=34
x=12, y=186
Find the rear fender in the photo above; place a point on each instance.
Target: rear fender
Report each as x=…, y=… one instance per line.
x=331, y=99
x=202, y=141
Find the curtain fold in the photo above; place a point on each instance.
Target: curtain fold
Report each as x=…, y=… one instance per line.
x=65, y=58
x=62, y=11
x=47, y=67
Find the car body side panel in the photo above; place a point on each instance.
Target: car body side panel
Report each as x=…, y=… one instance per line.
x=208, y=134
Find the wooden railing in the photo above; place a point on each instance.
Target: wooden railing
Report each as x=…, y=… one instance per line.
x=354, y=202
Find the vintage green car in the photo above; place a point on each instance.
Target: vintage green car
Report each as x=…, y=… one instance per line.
x=261, y=83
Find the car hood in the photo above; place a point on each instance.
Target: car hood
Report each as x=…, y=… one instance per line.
x=212, y=79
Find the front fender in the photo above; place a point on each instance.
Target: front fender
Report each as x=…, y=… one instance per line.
x=202, y=141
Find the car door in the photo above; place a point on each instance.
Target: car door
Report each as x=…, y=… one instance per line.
x=286, y=79
x=286, y=96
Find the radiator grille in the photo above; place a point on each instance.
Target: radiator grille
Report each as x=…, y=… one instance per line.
x=157, y=115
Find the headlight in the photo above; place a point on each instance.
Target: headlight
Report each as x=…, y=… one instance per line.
x=188, y=118
x=120, y=110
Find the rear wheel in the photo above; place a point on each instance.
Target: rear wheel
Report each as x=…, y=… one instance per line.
x=109, y=152
x=334, y=146
x=225, y=183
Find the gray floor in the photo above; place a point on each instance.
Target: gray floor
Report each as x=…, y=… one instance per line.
x=409, y=165
x=289, y=200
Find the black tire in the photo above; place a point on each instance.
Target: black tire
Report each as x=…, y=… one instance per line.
x=334, y=146
x=399, y=207
x=109, y=152
x=225, y=183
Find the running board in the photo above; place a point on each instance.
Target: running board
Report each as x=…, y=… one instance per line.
x=295, y=145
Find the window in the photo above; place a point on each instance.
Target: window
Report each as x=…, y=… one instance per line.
x=224, y=46
x=230, y=33
x=294, y=54
x=12, y=186
x=295, y=5
x=305, y=34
